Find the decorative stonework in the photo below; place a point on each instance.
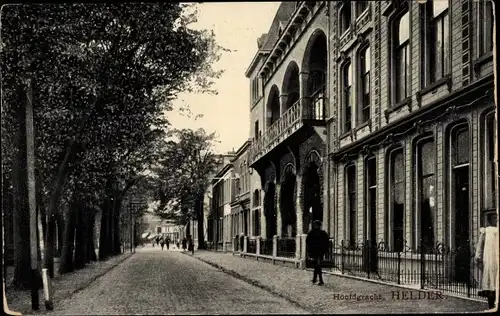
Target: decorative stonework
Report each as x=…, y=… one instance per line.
x=466, y=42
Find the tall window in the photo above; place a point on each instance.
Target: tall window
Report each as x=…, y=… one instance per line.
x=256, y=130
x=397, y=199
x=347, y=80
x=371, y=198
x=437, y=40
x=426, y=188
x=401, y=57
x=364, y=68
x=485, y=27
x=361, y=7
x=459, y=158
x=351, y=202
x=317, y=87
x=489, y=197
x=345, y=17
x=256, y=198
x=257, y=222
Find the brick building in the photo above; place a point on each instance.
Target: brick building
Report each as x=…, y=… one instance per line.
x=240, y=193
x=378, y=118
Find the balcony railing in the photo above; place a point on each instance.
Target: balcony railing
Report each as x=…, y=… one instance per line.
x=309, y=108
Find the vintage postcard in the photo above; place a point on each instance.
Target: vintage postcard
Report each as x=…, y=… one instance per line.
x=295, y=157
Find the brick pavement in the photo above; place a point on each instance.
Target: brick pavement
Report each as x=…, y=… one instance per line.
x=63, y=285
x=168, y=282
x=295, y=285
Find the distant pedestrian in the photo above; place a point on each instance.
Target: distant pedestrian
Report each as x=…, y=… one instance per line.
x=178, y=244
x=157, y=240
x=317, y=246
x=190, y=244
x=153, y=243
x=487, y=259
x=168, y=243
x=162, y=243
x=184, y=243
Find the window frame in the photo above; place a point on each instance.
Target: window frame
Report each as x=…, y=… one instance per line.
x=345, y=13
x=452, y=165
x=418, y=180
x=350, y=207
x=359, y=3
x=390, y=178
x=394, y=26
x=430, y=75
x=368, y=190
x=347, y=106
x=485, y=150
x=362, y=74
x=482, y=25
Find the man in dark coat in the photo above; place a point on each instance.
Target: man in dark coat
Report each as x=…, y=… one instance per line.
x=317, y=243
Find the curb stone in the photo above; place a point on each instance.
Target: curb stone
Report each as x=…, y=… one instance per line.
x=255, y=283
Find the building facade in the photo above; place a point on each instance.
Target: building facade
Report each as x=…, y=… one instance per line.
x=219, y=221
x=240, y=193
x=378, y=118
x=289, y=116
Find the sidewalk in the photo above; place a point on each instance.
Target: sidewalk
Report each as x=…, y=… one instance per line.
x=63, y=285
x=339, y=294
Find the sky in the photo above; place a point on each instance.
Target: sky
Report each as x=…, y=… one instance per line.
x=236, y=25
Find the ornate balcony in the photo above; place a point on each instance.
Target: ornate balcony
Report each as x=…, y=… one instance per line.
x=306, y=111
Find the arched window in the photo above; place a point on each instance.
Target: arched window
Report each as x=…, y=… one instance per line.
x=364, y=76
x=489, y=168
x=396, y=200
x=401, y=57
x=426, y=193
x=459, y=184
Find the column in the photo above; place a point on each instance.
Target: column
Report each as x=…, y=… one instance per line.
x=304, y=94
x=283, y=101
x=298, y=205
x=279, y=231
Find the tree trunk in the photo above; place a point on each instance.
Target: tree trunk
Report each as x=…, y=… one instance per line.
x=92, y=255
x=81, y=239
x=103, y=243
x=60, y=233
x=116, y=219
x=66, y=263
x=200, y=221
x=21, y=215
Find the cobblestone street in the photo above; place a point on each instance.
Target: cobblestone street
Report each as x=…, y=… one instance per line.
x=156, y=282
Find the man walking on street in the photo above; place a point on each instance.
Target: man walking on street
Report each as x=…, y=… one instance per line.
x=317, y=246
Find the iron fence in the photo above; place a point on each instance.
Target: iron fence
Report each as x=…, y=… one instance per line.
x=266, y=247
x=438, y=267
x=286, y=247
x=252, y=245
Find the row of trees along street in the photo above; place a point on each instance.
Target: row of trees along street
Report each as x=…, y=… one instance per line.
x=100, y=78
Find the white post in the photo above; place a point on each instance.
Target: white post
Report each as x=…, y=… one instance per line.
x=303, y=247
x=235, y=241
x=275, y=247
x=245, y=244
x=224, y=247
x=257, y=241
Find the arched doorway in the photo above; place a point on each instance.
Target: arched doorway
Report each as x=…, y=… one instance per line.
x=291, y=86
x=315, y=63
x=287, y=206
x=270, y=211
x=313, y=207
x=273, y=106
